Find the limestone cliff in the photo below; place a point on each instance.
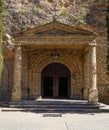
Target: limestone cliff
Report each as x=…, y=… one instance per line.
x=22, y=14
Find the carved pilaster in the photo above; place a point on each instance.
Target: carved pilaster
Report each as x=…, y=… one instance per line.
x=16, y=91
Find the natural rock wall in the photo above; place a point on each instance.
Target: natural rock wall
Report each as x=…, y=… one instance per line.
x=22, y=14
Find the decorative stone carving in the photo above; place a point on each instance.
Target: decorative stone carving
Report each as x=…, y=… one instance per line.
x=39, y=56
x=9, y=40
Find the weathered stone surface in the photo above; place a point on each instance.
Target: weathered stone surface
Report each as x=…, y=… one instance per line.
x=38, y=59
x=16, y=91
x=93, y=96
x=25, y=14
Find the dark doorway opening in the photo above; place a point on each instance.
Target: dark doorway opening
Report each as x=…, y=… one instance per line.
x=63, y=86
x=48, y=86
x=56, y=81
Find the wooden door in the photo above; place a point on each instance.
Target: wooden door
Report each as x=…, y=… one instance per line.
x=48, y=86
x=55, y=81
x=63, y=86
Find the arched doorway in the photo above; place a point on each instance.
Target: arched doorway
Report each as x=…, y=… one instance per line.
x=56, y=81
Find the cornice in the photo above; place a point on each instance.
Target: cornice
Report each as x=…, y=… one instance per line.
x=67, y=37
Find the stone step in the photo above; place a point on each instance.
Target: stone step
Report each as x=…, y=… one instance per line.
x=50, y=103
x=54, y=102
x=102, y=108
x=54, y=110
x=53, y=106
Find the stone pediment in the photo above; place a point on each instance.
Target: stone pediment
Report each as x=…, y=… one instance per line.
x=57, y=34
x=53, y=32
x=59, y=29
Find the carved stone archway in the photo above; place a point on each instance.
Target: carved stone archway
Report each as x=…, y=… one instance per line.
x=75, y=67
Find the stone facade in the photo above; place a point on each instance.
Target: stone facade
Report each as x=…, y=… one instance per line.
x=33, y=52
x=87, y=15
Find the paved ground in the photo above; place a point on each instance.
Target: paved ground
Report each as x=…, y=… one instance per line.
x=34, y=121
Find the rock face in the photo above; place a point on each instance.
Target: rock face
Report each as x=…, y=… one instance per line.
x=20, y=15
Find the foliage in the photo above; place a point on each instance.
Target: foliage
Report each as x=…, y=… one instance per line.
x=1, y=34
x=64, y=11
x=23, y=9
x=36, y=9
x=107, y=24
x=20, y=10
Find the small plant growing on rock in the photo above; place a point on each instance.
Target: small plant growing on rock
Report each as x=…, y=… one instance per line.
x=36, y=9
x=20, y=10
x=64, y=11
x=45, y=21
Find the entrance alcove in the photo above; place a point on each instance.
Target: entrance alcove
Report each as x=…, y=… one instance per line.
x=56, y=80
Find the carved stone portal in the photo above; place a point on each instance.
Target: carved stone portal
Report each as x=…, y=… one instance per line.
x=40, y=42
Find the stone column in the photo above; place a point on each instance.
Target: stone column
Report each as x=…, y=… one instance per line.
x=86, y=73
x=93, y=91
x=16, y=90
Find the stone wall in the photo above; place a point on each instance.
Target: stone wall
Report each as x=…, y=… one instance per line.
x=25, y=14
x=6, y=81
x=103, y=78
x=39, y=59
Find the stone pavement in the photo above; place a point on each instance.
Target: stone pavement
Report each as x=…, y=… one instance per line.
x=35, y=121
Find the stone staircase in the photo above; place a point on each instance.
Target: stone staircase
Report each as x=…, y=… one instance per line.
x=53, y=105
